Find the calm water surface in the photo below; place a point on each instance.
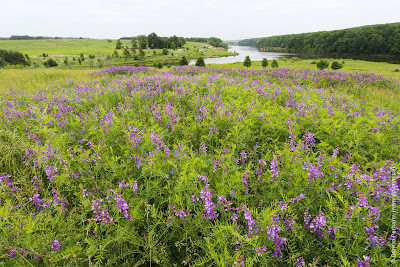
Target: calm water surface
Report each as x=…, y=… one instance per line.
x=244, y=51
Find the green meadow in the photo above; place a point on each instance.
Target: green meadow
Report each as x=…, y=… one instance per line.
x=102, y=50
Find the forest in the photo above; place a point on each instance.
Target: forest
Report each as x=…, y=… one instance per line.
x=365, y=40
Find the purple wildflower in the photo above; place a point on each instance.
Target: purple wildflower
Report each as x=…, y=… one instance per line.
x=55, y=245
x=260, y=250
x=364, y=263
x=310, y=141
x=134, y=186
x=274, y=167
x=300, y=262
x=332, y=233
x=318, y=224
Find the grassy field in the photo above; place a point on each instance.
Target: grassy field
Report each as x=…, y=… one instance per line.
x=31, y=80
x=59, y=49
x=379, y=68
x=198, y=167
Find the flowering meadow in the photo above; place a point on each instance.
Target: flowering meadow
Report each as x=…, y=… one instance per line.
x=199, y=167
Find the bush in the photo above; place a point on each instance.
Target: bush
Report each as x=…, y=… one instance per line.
x=200, y=62
x=50, y=63
x=165, y=51
x=336, y=65
x=183, y=61
x=118, y=45
x=274, y=64
x=322, y=64
x=264, y=62
x=160, y=65
x=247, y=62
x=12, y=58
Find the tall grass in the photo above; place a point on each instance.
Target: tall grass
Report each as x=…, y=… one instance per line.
x=32, y=80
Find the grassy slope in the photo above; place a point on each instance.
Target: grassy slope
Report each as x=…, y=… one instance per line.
x=61, y=48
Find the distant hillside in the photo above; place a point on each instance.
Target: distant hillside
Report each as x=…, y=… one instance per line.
x=365, y=40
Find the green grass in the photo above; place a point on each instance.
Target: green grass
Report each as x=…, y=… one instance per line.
x=32, y=80
x=58, y=49
x=379, y=68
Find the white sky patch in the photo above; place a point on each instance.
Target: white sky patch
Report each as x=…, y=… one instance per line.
x=226, y=19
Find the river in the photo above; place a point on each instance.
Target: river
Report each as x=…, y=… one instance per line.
x=244, y=51
x=256, y=55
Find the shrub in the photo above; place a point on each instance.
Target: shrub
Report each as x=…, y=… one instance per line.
x=165, y=51
x=200, y=62
x=183, y=61
x=322, y=64
x=118, y=45
x=274, y=64
x=336, y=65
x=247, y=62
x=159, y=65
x=264, y=62
x=50, y=63
x=12, y=58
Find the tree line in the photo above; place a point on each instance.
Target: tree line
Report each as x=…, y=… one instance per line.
x=153, y=41
x=365, y=40
x=27, y=37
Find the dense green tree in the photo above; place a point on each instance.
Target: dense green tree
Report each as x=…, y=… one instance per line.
x=160, y=65
x=247, y=62
x=13, y=58
x=173, y=46
x=142, y=40
x=154, y=41
x=375, y=39
x=200, y=62
x=183, y=61
x=118, y=45
x=322, y=64
x=165, y=51
x=274, y=64
x=264, y=62
x=214, y=41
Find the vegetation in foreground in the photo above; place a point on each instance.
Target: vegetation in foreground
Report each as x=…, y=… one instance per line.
x=198, y=166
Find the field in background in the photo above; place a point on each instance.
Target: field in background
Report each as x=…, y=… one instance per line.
x=379, y=68
x=59, y=49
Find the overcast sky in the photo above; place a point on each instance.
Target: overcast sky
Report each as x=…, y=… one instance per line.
x=226, y=19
